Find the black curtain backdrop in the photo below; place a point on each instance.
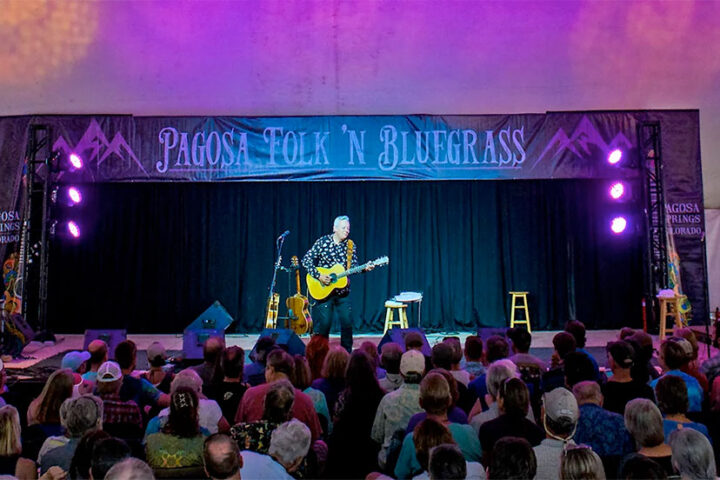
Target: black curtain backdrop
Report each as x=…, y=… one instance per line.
x=153, y=256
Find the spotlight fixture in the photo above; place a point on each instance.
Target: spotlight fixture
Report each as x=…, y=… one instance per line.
x=618, y=225
x=617, y=190
x=615, y=156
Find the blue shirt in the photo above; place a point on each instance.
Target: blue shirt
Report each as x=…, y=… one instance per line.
x=695, y=391
x=670, y=426
x=604, y=431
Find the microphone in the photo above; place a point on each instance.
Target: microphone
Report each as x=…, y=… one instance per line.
x=284, y=234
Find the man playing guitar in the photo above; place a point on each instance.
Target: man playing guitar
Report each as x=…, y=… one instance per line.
x=327, y=251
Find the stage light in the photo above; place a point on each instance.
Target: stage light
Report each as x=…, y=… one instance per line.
x=73, y=229
x=615, y=156
x=74, y=195
x=76, y=161
x=617, y=190
x=618, y=225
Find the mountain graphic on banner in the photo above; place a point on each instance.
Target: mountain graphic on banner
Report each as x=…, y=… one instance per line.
x=96, y=143
x=583, y=136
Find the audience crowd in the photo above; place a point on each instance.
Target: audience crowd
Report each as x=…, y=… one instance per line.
x=485, y=409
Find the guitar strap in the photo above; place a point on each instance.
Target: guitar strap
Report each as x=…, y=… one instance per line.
x=349, y=254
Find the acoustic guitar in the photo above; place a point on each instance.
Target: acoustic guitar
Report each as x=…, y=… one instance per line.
x=299, y=305
x=271, y=312
x=338, y=278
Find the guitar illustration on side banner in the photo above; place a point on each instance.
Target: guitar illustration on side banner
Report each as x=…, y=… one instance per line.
x=338, y=276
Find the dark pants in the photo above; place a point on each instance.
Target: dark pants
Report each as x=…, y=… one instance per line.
x=322, y=315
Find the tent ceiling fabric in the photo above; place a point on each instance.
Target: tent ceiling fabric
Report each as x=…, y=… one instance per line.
x=333, y=57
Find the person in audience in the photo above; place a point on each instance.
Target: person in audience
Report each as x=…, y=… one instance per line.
x=230, y=391
x=673, y=357
x=221, y=457
x=643, y=369
x=415, y=340
x=106, y=454
x=351, y=450
x=280, y=366
x=435, y=399
x=138, y=390
x=210, y=371
x=497, y=373
x=446, y=463
x=254, y=372
x=692, y=455
x=602, y=430
x=455, y=414
x=560, y=414
x=11, y=460
x=577, y=368
x=474, y=356
x=577, y=329
x=255, y=436
x=80, y=464
x=625, y=332
x=209, y=413
x=315, y=351
x=130, y=469
x=521, y=339
x=581, y=463
x=563, y=344
x=644, y=422
x=640, y=467
x=45, y=409
x=157, y=375
x=179, y=444
x=372, y=352
x=77, y=416
x=390, y=360
x=289, y=445
x=692, y=368
x=118, y=415
x=443, y=355
x=302, y=381
x=430, y=434
x=513, y=404
x=98, y=351
x=333, y=375
x=512, y=458
x=497, y=348
x=3, y=387
x=75, y=361
x=621, y=387
x=396, y=408
x=460, y=374
x=672, y=400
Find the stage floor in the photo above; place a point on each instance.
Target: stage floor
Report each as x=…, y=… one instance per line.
x=36, y=352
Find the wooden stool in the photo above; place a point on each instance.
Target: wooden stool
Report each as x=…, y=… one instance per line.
x=671, y=306
x=390, y=307
x=521, y=306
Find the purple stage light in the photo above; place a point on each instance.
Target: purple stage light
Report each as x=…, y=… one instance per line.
x=614, y=156
x=74, y=195
x=617, y=190
x=73, y=229
x=618, y=225
x=76, y=161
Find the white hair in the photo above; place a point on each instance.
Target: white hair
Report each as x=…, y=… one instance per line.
x=130, y=469
x=692, y=454
x=187, y=378
x=290, y=441
x=339, y=219
x=497, y=373
x=81, y=414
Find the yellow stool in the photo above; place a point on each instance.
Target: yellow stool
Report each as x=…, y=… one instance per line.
x=390, y=307
x=671, y=306
x=515, y=304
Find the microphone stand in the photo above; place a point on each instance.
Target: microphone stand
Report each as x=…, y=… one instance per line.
x=279, y=244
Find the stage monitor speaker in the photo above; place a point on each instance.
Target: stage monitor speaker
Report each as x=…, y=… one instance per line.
x=193, y=341
x=485, y=333
x=397, y=335
x=110, y=336
x=285, y=337
x=214, y=318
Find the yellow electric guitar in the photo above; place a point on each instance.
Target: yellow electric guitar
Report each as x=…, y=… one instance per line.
x=338, y=278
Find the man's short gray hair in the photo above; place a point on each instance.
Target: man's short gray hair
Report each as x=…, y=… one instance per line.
x=497, y=373
x=81, y=414
x=130, y=469
x=341, y=218
x=290, y=441
x=186, y=378
x=692, y=454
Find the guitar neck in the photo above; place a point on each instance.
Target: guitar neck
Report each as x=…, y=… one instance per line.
x=352, y=270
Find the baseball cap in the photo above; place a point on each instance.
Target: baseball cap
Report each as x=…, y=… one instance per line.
x=560, y=403
x=412, y=361
x=622, y=353
x=156, y=349
x=74, y=359
x=109, y=372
